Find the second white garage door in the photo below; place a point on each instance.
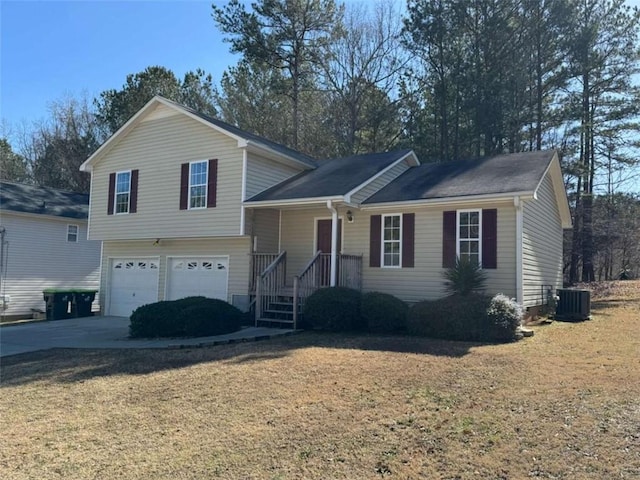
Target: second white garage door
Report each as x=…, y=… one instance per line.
x=205, y=276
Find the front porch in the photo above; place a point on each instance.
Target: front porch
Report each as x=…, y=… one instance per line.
x=278, y=299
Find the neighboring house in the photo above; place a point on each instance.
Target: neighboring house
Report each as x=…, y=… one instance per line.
x=44, y=245
x=189, y=205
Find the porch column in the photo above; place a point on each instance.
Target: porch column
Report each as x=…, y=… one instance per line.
x=334, y=241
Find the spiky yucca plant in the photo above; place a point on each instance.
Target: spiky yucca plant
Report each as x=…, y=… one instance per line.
x=464, y=278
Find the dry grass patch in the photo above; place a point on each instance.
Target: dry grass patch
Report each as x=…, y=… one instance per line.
x=563, y=404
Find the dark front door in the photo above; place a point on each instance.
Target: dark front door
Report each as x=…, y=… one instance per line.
x=323, y=242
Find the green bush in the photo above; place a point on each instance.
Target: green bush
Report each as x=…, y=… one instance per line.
x=335, y=309
x=210, y=317
x=191, y=316
x=155, y=320
x=383, y=313
x=471, y=318
x=505, y=316
x=454, y=318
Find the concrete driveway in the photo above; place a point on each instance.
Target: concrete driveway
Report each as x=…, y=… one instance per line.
x=105, y=332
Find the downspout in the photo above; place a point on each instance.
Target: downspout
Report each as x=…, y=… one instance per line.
x=244, y=191
x=517, y=202
x=334, y=241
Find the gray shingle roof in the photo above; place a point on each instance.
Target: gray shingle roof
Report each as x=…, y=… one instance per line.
x=332, y=177
x=43, y=200
x=301, y=157
x=516, y=172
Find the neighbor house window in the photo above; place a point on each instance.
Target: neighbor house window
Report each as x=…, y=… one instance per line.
x=72, y=233
x=391, y=240
x=123, y=192
x=198, y=184
x=469, y=235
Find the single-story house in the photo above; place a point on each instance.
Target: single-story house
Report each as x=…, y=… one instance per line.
x=43, y=244
x=188, y=205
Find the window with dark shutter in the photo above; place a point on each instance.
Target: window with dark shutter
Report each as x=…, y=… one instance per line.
x=408, y=234
x=212, y=183
x=112, y=193
x=489, y=238
x=449, y=239
x=375, y=240
x=184, y=186
x=133, y=201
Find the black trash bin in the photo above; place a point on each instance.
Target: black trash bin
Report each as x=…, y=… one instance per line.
x=58, y=304
x=82, y=300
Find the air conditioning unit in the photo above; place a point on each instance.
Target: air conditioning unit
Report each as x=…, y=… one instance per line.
x=573, y=304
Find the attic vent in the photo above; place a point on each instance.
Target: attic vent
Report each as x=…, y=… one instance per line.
x=573, y=304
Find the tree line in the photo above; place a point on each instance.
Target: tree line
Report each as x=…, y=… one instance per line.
x=451, y=79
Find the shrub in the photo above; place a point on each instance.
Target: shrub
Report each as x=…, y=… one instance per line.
x=191, y=316
x=155, y=320
x=505, y=316
x=383, y=313
x=454, y=318
x=335, y=309
x=475, y=317
x=464, y=278
x=210, y=317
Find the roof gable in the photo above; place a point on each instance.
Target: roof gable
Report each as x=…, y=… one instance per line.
x=38, y=200
x=244, y=139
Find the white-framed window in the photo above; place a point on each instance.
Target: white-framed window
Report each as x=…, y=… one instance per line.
x=123, y=192
x=72, y=233
x=391, y=241
x=198, y=177
x=469, y=236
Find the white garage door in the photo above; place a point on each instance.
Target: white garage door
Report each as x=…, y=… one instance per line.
x=134, y=282
x=206, y=276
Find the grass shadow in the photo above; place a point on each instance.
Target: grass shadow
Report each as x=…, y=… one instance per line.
x=78, y=365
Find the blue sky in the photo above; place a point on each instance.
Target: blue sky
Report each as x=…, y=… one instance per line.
x=53, y=48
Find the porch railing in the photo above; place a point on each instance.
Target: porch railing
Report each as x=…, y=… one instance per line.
x=350, y=271
x=259, y=263
x=270, y=283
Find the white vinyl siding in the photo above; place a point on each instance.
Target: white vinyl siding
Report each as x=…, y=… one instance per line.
x=299, y=237
x=157, y=148
x=541, y=244
x=380, y=182
x=425, y=280
x=263, y=174
x=39, y=256
x=236, y=249
x=266, y=228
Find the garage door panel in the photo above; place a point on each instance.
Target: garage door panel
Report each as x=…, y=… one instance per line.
x=134, y=282
x=198, y=276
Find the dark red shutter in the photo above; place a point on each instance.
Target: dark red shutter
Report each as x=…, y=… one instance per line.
x=449, y=239
x=112, y=193
x=375, y=240
x=184, y=186
x=133, y=196
x=490, y=238
x=408, y=234
x=212, y=183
